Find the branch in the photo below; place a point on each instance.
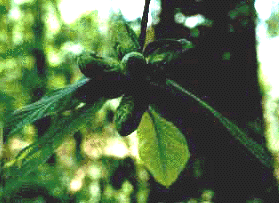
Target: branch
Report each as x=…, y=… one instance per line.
x=144, y=24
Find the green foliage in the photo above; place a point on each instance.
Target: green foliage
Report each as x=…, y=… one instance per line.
x=128, y=114
x=94, y=66
x=164, y=51
x=162, y=148
x=235, y=131
x=54, y=102
x=87, y=28
x=43, y=181
x=240, y=11
x=38, y=153
x=5, y=105
x=19, y=50
x=3, y=10
x=121, y=36
x=273, y=24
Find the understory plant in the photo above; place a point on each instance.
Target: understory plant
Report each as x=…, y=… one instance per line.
x=139, y=77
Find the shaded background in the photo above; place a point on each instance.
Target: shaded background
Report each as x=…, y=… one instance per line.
x=220, y=67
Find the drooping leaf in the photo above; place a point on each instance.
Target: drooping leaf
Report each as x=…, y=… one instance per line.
x=162, y=148
x=56, y=101
x=256, y=149
x=38, y=153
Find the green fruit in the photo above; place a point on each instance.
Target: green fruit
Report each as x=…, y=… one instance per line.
x=96, y=67
x=128, y=114
x=135, y=66
x=106, y=77
x=93, y=90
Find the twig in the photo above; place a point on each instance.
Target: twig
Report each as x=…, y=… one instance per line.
x=144, y=21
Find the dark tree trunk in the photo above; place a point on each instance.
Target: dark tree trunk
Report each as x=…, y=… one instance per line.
x=231, y=88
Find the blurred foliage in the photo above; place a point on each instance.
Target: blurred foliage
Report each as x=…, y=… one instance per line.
x=39, y=28
x=36, y=52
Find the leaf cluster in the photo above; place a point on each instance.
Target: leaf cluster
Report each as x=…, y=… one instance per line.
x=162, y=147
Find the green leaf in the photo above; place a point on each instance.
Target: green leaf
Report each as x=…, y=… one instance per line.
x=122, y=34
x=256, y=149
x=162, y=148
x=131, y=33
x=38, y=153
x=164, y=51
x=54, y=102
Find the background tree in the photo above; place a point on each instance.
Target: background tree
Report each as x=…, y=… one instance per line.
x=217, y=69
x=222, y=69
x=37, y=61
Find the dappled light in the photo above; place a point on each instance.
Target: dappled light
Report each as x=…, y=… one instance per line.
x=139, y=101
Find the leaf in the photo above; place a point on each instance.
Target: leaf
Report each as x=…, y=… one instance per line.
x=164, y=50
x=122, y=34
x=38, y=153
x=256, y=149
x=162, y=148
x=56, y=101
x=131, y=33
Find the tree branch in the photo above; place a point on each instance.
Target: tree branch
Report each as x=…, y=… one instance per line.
x=144, y=24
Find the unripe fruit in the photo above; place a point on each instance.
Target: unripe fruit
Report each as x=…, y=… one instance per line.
x=135, y=66
x=96, y=67
x=106, y=77
x=129, y=113
x=93, y=90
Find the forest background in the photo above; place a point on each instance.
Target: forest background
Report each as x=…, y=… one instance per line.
x=37, y=46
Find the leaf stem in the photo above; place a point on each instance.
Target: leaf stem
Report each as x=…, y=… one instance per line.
x=256, y=149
